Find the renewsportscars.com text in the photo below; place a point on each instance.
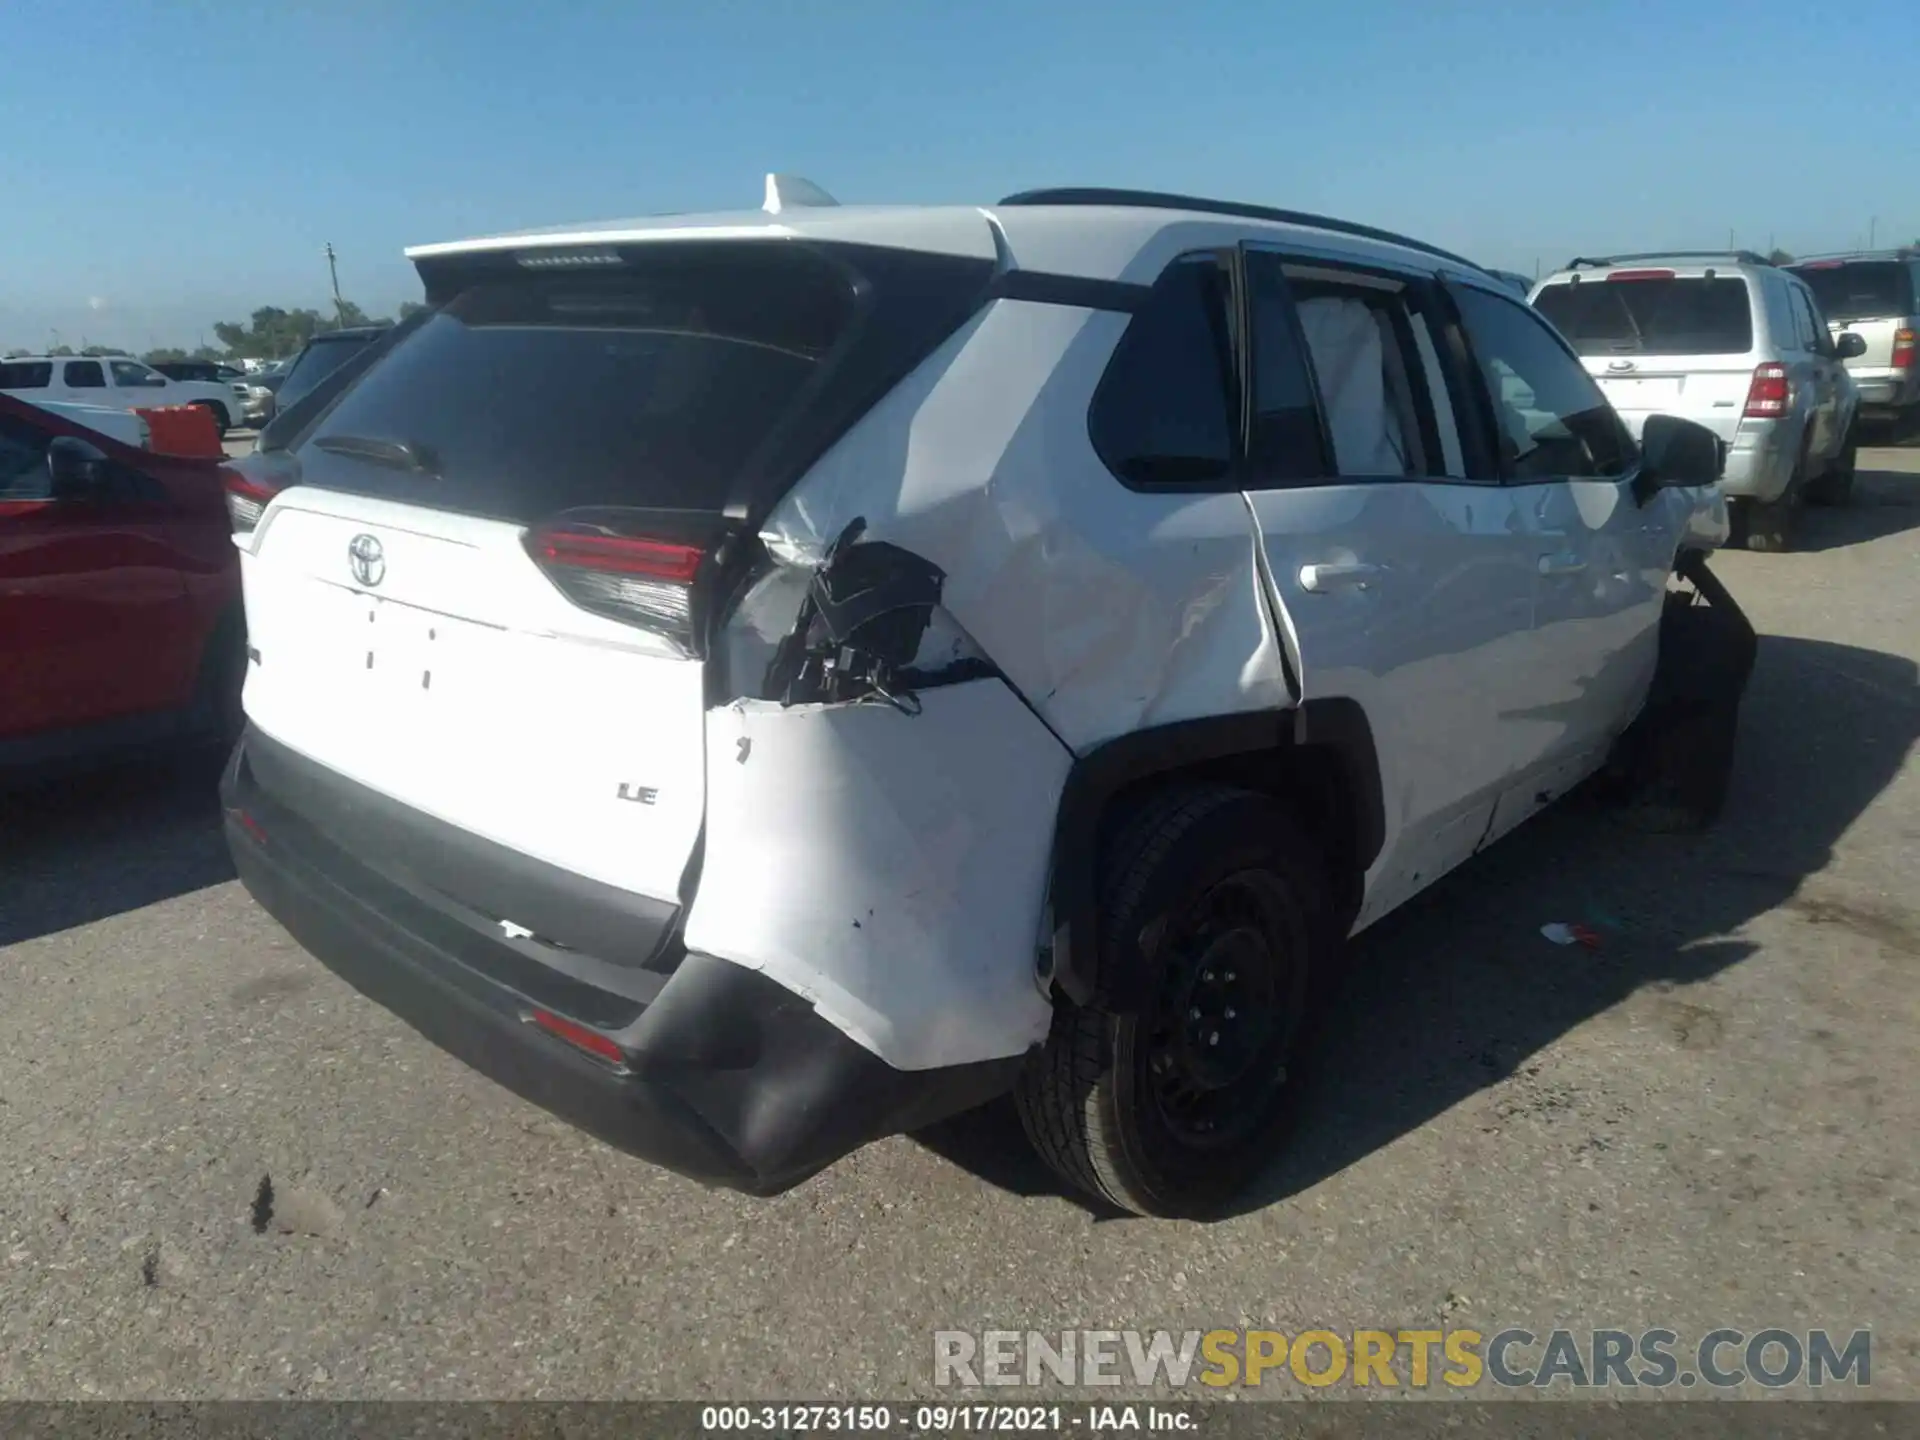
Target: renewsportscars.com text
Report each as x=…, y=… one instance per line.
x=1721, y=1359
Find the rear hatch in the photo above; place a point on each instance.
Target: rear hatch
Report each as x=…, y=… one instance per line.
x=1872, y=298
x=1661, y=342
x=484, y=592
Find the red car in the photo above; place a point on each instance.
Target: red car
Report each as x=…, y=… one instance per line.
x=120, y=615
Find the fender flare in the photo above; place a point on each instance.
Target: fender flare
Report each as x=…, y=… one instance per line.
x=1339, y=724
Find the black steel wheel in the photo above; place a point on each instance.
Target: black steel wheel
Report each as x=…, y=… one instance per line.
x=1218, y=907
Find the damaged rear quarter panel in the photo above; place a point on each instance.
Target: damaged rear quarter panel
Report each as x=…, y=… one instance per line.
x=1108, y=609
x=890, y=868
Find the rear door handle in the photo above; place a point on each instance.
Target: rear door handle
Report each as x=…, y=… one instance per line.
x=1561, y=562
x=1353, y=575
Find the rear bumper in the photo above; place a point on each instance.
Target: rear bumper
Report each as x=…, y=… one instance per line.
x=727, y=1077
x=1886, y=390
x=1760, y=460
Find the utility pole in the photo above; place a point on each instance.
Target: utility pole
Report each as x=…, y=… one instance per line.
x=333, y=270
x=1873, y=225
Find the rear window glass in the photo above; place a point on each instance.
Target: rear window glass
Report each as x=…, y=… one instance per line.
x=649, y=385
x=319, y=360
x=1680, y=316
x=1862, y=289
x=25, y=374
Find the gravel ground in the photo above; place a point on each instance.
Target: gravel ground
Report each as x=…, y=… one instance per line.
x=1708, y=1122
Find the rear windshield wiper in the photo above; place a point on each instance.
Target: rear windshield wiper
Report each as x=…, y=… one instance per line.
x=400, y=454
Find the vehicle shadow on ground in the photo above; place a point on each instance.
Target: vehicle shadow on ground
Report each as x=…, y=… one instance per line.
x=1453, y=993
x=1885, y=502
x=97, y=845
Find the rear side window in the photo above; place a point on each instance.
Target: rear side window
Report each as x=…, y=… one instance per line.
x=25, y=374
x=85, y=375
x=1861, y=289
x=1674, y=315
x=1163, y=415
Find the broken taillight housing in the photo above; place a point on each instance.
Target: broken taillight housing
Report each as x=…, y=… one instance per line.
x=639, y=579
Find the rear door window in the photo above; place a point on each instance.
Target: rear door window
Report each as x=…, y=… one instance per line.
x=1861, y=289
x=85, y=375
x=1651, y=314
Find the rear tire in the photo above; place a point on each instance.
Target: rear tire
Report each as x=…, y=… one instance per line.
x=1835, y=487
x=1769, y=525
x=1215, y=900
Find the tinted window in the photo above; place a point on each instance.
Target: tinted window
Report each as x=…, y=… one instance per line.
x=23, y=462
x=1550, y=418
x=1162, y=415
x=319, y=360
x=651, y=385
x=1693, y=316
x=1860, y=289
x=85, y=375
x=1285, y=442
x=126, y=372
x=25, y=374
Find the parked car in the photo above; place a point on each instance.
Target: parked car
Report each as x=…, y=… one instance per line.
x=262, y=386
x=1877, y=297
x=1735, y=344
x=120, y=616
x=116, y=381
x=200, y=370
x=318, y=359
x=758, y=683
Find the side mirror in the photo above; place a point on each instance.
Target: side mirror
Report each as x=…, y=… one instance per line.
x=1849, y=346
x=1676, y=452
x=78, y=470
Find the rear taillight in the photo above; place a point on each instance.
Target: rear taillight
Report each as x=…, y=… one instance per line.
x=1903, y=349
x=639, y=580
x=247, y=498
x=1767, y=396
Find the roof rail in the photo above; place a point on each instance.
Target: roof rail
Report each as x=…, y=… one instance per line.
x=1739, y=257
x=1158, y=200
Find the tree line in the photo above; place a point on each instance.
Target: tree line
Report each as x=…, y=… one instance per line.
x=270, y=334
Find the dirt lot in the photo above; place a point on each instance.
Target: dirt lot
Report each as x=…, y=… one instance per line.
x=1709, y=1122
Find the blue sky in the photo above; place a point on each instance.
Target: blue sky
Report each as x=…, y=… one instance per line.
x=175, y=162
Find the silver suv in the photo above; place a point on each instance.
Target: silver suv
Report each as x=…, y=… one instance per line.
x=1734, y=343
x=1875, y=295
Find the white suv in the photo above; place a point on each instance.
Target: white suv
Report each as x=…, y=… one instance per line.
x=116, y=382
x=758, y=683
x=1735, y=344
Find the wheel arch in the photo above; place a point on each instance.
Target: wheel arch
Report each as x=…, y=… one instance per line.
x=1318, y=755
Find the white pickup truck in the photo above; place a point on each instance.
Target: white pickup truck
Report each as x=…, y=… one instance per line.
x=116, y=382
x=123, y=425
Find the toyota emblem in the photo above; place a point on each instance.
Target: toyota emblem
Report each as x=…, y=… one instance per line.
x=367, y=558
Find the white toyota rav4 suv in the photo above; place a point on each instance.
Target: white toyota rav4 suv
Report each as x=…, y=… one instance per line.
x=761, y=682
